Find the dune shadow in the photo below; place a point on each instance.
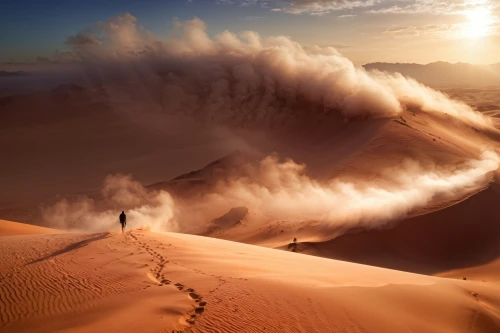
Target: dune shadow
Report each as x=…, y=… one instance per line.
x=72, y=247
x=460, y=236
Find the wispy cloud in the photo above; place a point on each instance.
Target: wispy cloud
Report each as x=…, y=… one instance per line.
x=322, y=7
x=451, y=7
x=252, y=18
x=424, y=30
x=297, y=7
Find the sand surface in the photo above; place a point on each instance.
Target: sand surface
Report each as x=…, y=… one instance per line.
x=163, y=282
x=8, y=228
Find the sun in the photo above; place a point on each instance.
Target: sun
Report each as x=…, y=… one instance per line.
x=479, y=22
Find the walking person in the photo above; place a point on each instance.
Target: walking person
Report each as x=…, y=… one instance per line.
x=123, y=221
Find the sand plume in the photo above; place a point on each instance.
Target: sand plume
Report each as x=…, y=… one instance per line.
x=274, y=190
x=245, y=79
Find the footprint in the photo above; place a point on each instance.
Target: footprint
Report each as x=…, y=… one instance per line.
x=199, y=310
x=203, y=303
x=194, y=296
x=179, y=286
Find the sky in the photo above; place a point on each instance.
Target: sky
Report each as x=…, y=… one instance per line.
x=415, y=31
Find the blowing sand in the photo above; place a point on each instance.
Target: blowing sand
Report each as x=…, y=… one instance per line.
x=164, y=282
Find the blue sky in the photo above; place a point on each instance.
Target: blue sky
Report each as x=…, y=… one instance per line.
x=364, y=30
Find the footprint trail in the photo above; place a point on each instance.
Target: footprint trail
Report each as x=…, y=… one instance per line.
x=158, y=277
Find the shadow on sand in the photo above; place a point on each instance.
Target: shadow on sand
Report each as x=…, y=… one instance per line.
x=72, y=247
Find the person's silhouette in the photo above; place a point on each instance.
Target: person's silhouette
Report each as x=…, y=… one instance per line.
x=123, y=220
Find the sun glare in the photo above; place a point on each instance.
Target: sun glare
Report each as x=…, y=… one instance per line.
x=479, y=22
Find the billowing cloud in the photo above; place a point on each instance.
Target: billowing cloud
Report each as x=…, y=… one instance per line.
x=262, y=82
x=249, y=80
x=83, y=39
x=274, y=190
x=154, y=210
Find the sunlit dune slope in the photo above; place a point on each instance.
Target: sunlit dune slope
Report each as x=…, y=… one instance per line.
x=84, y=282
x=8, y=228
x=151, y=282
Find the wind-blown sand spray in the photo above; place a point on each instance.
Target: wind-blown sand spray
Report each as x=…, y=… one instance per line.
x=274, y=190
x=244, y=79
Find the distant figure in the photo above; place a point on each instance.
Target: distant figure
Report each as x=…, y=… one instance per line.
x=293, y=246
x=123, y=220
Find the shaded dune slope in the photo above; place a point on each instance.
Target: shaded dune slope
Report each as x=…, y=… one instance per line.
x=463, y=235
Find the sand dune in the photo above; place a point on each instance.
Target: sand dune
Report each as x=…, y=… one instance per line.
x=463, y=235
x=95, y=282
x=149, y=282
x=8, y=228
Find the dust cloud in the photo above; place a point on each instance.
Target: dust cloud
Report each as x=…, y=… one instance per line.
x=244, y=79
x=279, y=190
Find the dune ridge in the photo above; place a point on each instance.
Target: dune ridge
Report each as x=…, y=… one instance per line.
x=100, y=282
x=9, y=228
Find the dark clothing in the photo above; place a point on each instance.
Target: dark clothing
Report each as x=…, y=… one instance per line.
x=123, y=220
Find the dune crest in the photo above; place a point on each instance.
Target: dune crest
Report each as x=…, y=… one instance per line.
x=9, y=228
x=100, y=282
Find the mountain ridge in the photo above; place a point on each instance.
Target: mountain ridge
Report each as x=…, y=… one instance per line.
x=443, y=74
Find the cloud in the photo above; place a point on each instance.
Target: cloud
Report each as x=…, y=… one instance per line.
x=425, y=30
x=42, y=59
x=275, y=190
x=322, y=47
x=252, y=18
x=452, y=7
x=320, y=7
x=264, y=83
x=297, y=7
x=83, y=39
x=251, y=80
x=144, y=208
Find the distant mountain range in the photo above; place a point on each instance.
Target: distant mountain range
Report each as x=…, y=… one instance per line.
x=444, y=74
